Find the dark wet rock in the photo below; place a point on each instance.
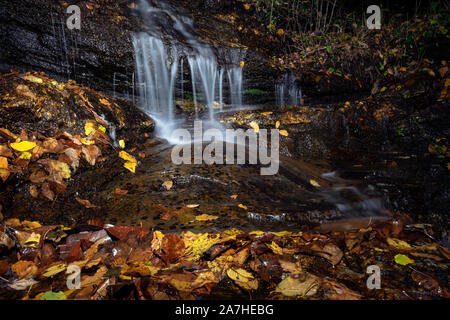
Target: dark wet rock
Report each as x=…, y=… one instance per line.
x=41, y=104
x=34, y=36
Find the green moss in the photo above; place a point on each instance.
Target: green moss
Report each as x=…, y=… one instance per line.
x=255, y=92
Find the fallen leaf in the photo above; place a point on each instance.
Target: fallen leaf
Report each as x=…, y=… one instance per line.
x=126, y=156
x=131, y=166
x=284, y=133
x=22, y=284
x=234, y=196
x=206, y=217
x=34, y=191
x=242, y=206
x=23, y=146
x=243, y=278
x=403, y=260
x=398, y=244
x=277, y=124
x=254, y=125
x=302, y=285
x=122, y=143
x=47, y=192
x=168, y=184
x=120, y=191
x=91, y=153
x=32, y=78
x=86, y=203
x=53, y=270
x=314, y=183
x=89, y=127
x=50, y=295
x=173, y=247
x=24, y=269
x=25, y=156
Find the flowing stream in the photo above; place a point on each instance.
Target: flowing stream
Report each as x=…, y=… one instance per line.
x=172, y=64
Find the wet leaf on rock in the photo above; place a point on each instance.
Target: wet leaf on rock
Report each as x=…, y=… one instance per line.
x=23, y=145
x=86, y=203
x=301, y=285
x=403, y=260
x=206, y=217
x=243, y=278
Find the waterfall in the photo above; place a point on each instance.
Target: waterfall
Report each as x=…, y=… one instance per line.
x=158, y=57
x=287, y=91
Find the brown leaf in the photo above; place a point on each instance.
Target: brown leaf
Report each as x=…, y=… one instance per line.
x=123, y=232
x=5, y=151
x=86, y=203
x=25, y=91
x=91, y=153
x=34, y=191
x=4, y=266
x=38, y=176
x=120, y=191
x=172, y=247
x=24, y=269
x=47, y=192
x=330, y=252
x=74, y=156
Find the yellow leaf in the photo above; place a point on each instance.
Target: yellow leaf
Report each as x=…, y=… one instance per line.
x=25, y=155
x=234, y=196
x=32, y=79
x=398, y=244
x=29, y=225
x=23, y=145
x=242, y=206
x=314, y=183
x=403, y=260
x=242, y=64
x=383, y=89
x=254, y=125
x=277, y=124
x=102, y=129
x=243, y=278
x=130, y=166
x=126, y=156
x=266, y=113
x=105, y=102
x=62, y=168
x=247, y=6
x=347, y=103
x=275, y=248
x=88, y=128
x=192, y=205
x=168, y=184
x=33, y=240
x=3, y=163
x=302, y=285
x=54, y=270
x=284, y=133
x=206, y=217
x=280, y=32
x=122, y=143
x=87, y=141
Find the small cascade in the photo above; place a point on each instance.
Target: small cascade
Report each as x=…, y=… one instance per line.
x=159, y=56
x=287, y=91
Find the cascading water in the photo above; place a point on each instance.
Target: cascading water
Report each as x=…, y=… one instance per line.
x=158, y=57
x=287, y=91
